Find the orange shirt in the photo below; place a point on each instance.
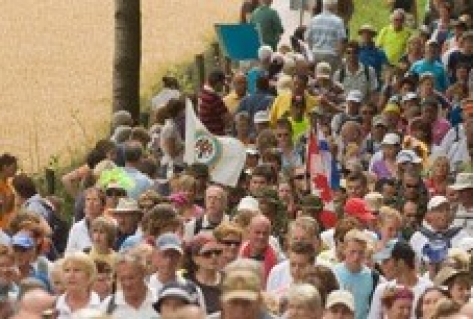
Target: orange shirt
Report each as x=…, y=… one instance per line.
x=6, y=214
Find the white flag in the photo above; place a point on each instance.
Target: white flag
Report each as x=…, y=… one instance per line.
x=225, y=156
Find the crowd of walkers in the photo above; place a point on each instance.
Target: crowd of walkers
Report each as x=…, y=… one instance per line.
x=155, y=237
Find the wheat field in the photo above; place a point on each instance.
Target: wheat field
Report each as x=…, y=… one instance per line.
x=56, y=67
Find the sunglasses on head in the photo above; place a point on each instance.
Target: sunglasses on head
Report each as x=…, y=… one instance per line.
x=229, y=243
x=210, y=253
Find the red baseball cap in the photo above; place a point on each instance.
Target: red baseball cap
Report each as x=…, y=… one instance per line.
x=357, y=208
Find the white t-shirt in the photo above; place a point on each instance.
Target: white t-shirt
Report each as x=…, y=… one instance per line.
x=123, y=310
x=279, y=278
x=376, y=306
x=79, y=237
x=65, y=312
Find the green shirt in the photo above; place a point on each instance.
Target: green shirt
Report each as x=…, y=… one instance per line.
x=268, y=24
x=299, y=128
x=393, y=43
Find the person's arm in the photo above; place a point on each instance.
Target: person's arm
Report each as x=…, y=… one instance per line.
x=71, y=180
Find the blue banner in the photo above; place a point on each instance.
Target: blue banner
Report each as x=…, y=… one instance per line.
x=238, y=41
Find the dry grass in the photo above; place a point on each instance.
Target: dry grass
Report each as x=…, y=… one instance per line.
x=56, y=62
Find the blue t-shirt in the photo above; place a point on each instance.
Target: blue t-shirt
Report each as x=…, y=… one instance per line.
x=434, y=67
x=359, y=284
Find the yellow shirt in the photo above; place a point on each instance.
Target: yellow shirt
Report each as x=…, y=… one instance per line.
x=393, y=43
x=282, y=105
x=6, y=213
x=232, y=102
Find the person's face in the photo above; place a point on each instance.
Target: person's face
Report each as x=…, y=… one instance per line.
x=298, y=264
x=410, y=186
x=398, y=21
x=57, y=283
x=378, y=131
x=401, y=309
x=353, y=107
x=240, y=308
x=283, y=137
x=351, y=55
x=93, y=205
x=427, y=87
x=460, y=292
x=389, y=151
x=299, y=86
x=366, y=37
x=127, y=223
x=388, y=267
x=103, y=284
x=100, y=238
x=431, y=52
x=231, y=245
x=298, y=234
x=441, y=168
x=256, y=183
x=10, y=170
x=259, y=233
x=8, y=269
x=462, y=74
x=367, y=114
x=261, y=126
x=410, y=214
x=169, y=306
x=299, y=311
x=466, y=45
x=112, y=197
x=300, y=179
x=166, y=262
x=429, y=113
x=388, y=191
x=240, y=86
x=23, y=256
x=75, y=277
x=355, y=188
x=284, y=191
x=389, y=228
x=214, y=201
x=354, y=253
x=242, y=126
x=438, y=218
x=131, y=278
x=392, y=118
x=209, y=256
x=428, y=304
x=338, y=311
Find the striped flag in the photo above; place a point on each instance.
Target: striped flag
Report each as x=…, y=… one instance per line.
x=321, y=168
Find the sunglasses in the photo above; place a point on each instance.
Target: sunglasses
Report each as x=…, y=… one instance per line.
x=411, y=186
x=301, y=176
x=229, y=243
x=115, y=192
x=210, y=253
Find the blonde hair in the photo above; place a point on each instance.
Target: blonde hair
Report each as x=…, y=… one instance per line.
x=389, y=213
x=305, y=295
x=186, y=182
x=84, y=262
x=227, y=228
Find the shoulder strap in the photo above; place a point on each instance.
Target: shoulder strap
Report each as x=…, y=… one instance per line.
x=452, y=232
x=198, y=225
x=375, y=282
x=111, y=306
x=427, y=233
x=342, y=73
x=367, y=73
x=456, y=130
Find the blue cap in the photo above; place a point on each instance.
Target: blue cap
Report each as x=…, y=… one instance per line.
x=23, y=240
x=169, y=241
x=386, y=252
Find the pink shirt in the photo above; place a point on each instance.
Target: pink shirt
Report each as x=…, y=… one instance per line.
x=439, y=130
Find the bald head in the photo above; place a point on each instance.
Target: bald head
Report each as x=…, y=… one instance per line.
x=259, y=233
x=35, y=301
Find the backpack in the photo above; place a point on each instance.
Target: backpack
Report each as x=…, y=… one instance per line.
x=59, y=227
x=447, y=236
x=342, y=74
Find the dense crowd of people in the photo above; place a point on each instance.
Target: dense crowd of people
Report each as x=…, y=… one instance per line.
x=153, y=236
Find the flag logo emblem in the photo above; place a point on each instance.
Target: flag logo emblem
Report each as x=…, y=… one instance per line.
x=208, y=149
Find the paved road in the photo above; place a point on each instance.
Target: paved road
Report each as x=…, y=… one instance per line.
x=290, y=18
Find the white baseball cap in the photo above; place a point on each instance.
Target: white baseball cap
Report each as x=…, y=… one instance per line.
x=391, y=139
x=437, y=201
